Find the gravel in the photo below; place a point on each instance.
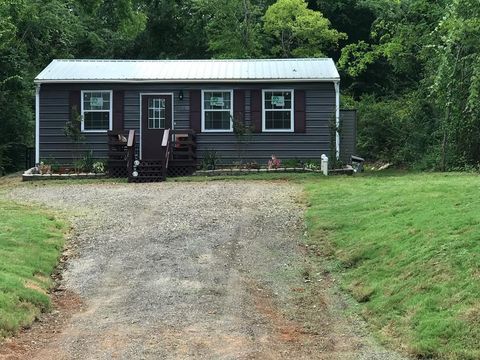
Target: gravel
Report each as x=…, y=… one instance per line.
x=195, y=270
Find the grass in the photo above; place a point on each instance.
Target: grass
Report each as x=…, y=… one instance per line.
x=31, y=240
x=408, y=249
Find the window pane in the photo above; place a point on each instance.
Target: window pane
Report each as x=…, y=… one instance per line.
x=278, y=100
x=217, y=120
x=156, y=113
x=220, y=100
x=96, y=100
x=96, y=120
x=277, y=120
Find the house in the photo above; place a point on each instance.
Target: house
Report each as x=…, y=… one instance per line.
x=290, y=107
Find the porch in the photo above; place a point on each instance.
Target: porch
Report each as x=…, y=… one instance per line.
x=176, y=156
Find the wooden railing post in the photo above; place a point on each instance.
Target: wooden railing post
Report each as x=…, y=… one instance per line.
x=166, y=150
x=130, y=152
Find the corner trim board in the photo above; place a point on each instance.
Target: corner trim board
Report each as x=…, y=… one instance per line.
x=337, y=119
x=37, y=124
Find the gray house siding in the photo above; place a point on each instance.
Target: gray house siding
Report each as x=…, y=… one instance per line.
x=54, y=113
x=348, y=134
x=315, y=141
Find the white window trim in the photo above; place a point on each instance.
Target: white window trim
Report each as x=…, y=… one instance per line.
x=203, y=111
x=110, y=120
x=292, y=111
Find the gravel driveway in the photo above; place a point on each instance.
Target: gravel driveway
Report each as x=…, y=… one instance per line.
x=195, y=270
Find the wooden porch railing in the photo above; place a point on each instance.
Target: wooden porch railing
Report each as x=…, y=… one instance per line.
x=166, y=149
x=131, y=142
x=185, y=145
x=117, y=153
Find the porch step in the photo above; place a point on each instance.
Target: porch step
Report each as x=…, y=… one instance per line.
x=148, y=171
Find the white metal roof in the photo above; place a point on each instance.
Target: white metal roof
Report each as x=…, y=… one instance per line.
x=258, y=70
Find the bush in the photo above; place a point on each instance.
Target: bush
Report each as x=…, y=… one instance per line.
x=99, y=167
x=210, y=160
x=54, y=165
x=400, y=131
x=88, y=161
x=311, y=164
x=292, y=163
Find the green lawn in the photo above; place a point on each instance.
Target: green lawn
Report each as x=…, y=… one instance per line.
x=408, y=249
x=31, y=240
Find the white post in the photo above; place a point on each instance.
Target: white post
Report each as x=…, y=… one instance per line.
x=37, y=124
x=337, y=119
x=324, y=165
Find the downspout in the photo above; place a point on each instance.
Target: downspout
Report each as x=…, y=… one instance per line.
x=37, y=124
x=337, y=119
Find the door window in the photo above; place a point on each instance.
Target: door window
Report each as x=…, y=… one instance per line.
x=156, y=113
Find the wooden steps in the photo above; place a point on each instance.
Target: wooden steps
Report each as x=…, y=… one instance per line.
x=177, y=158
x=148, y=171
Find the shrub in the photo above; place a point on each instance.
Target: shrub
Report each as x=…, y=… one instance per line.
x=311, y=164
x=210, y=160
x=292, y=163
x=98, y=167
x=88, y=161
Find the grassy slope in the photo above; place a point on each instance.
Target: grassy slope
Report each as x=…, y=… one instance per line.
x=30, y=244
x=409, y=251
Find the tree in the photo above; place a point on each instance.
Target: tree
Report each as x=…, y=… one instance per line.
x=456, y=83
x=109, y=28
x=297, y=31
x=173, y=30
x=233, y=27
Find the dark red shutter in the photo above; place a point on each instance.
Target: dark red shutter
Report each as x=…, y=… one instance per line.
x=239, y=105
x=74, y=104
x=118, y=99
x=256, y=110
x=195, y=110
x=300, y=121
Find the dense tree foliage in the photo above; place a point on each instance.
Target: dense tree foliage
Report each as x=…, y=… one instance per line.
x=411, y=67
x=297, y=31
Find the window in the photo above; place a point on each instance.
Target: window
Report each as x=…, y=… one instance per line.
x=156, y=113
x=277, y=110
x=96, y=111
x=217, y=110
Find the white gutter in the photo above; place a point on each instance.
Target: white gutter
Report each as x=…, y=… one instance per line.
x=177, y=81
x=337, y=118
x=37, y=124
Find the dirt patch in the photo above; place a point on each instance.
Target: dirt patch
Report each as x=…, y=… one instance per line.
x=193, y=270
x=29, y=341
